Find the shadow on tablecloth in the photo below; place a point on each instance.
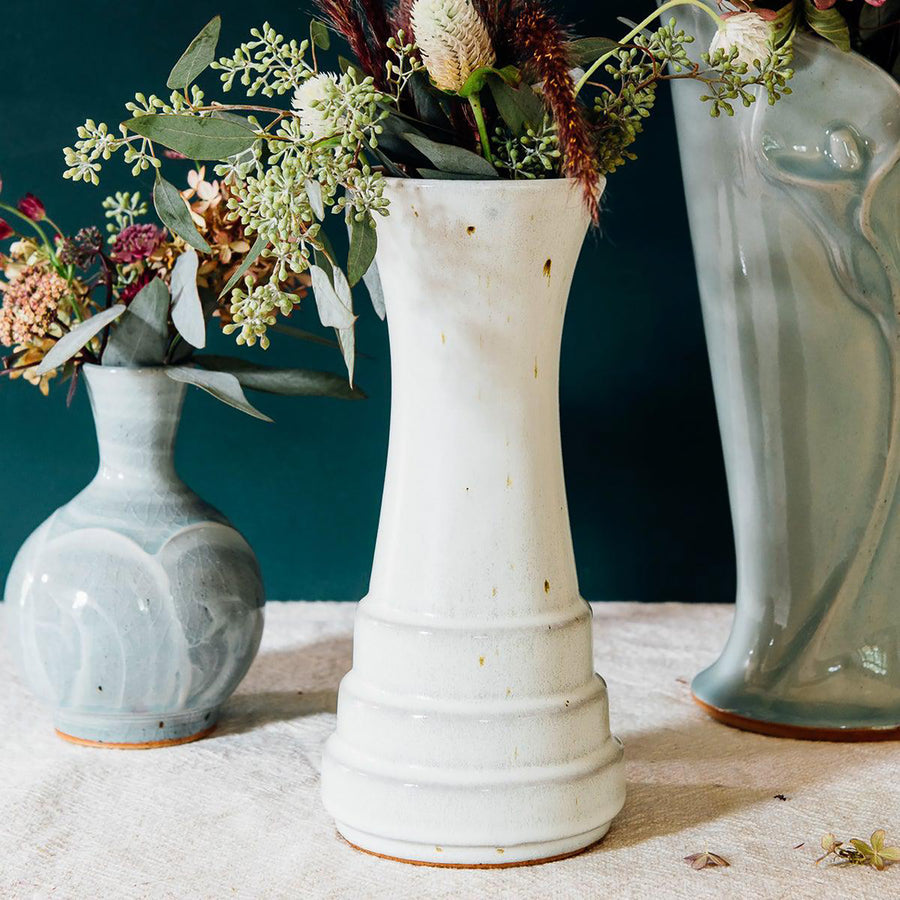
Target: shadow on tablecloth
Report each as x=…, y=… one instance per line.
x=288, y=684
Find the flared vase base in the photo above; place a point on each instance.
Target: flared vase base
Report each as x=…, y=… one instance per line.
x=472, y=857
x=798, y=732
x=136, y=732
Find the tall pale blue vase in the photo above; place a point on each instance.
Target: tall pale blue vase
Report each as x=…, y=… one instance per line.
x=795, y=219
x=136, y=609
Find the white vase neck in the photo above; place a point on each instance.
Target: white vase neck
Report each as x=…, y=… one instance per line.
x=476, y=279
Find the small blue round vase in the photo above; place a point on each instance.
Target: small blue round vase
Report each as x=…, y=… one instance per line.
x=135, y=609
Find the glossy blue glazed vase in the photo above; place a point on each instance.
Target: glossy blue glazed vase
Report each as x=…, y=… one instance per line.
x=795, y=218
x=135, y=609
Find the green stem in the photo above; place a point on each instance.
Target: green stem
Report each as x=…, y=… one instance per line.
x=639, y=28
x=475, y=103
x=31, y=222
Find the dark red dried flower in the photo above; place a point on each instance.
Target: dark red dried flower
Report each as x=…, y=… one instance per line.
x=401, y=19
x=542, y=44
x=130, y=291
x=32, y=208
x=6, y=230
x=136, y=242
x=347, y=21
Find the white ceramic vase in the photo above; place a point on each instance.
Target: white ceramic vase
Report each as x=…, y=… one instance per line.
x=472, y=729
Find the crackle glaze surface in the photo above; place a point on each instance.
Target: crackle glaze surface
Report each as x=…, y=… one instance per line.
x=135, y=609
x=472, y=728
x=795, y=215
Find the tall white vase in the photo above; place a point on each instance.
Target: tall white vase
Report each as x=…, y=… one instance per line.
x=472, y=729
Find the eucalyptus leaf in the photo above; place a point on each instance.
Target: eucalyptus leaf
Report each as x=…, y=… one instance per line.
x=363, y=245
x=301, y=335
x=322, y=258
x=586, y=51
x=319, y=34
x=208, y=137
x=173, y=212
x=314, y=194
x=187, y=308
x=201, y=52
x=333, y=311
x=446, y=176
x=73, y=341
x=292, y=382
x=253, y=254
x=829, y=23
x=519, y=107
x=347, y=340
x=449, y=158
x=142, y=336
x=372, y=281
x=222, y=385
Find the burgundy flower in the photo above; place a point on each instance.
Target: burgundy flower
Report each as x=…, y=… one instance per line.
x=136, y=242
x=31, y=207
x=130, y=291
x=6, y=230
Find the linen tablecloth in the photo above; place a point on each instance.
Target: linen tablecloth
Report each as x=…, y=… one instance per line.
x=239, y=814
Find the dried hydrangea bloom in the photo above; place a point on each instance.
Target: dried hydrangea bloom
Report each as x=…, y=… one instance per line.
x=136, y=243
x=452, y=40
x=30, y=304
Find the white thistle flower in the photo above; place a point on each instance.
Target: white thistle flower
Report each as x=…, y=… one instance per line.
x=747, y=31
x=452, y=39
x=309, y=98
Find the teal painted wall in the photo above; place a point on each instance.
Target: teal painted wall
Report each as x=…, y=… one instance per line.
x=643, y=464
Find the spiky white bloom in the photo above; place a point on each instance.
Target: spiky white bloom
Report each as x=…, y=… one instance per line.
x=452, y=39
x=749, y=32
x=310, y=101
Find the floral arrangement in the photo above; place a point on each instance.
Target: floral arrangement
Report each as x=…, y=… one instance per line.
x=872, y=27
x=436, y=89
x=137, y=296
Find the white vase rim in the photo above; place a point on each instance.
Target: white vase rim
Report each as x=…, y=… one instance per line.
x=509, y=184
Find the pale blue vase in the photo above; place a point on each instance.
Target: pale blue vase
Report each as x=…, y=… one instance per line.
x=795, y=218
x=135, y=609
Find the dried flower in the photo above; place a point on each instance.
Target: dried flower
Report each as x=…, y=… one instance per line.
x=29, y=305
x=860, y=853
x=749, y=33
x=706, y=860
x=136, y=243
x=81, y=250
x=6, y=230
x=452, y=39
x=543, y=43
x=32, y=208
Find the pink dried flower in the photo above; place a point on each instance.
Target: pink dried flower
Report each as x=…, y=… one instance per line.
x=6, y=230
x=136, y=243
x=32, y=208
x=29, y=305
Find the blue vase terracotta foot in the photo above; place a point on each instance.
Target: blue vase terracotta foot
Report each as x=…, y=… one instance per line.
x=135, y=732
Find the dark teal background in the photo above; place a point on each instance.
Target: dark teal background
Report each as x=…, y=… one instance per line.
x=643, y=464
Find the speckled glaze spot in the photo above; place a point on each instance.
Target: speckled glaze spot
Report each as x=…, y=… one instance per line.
x=135, y=609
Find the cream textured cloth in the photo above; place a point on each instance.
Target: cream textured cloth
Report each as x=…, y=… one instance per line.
x=239, y=815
